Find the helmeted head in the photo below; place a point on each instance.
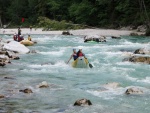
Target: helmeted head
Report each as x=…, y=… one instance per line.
x=74, y=50
x=80, y=49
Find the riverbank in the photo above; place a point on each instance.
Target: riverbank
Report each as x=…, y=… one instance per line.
x=104, y=32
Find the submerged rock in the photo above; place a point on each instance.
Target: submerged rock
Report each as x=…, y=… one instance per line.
x=111, y=85
x=33, y=51
x=26, y=91
x=133, y=90
x=44, y=84
x=83, y=102
x=8, y=78
x=116, y=37
x=142, y=51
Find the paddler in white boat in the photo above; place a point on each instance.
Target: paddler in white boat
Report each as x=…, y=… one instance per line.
x=74, y=55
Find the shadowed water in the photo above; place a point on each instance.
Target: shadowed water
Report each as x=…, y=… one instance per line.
x=68, y=84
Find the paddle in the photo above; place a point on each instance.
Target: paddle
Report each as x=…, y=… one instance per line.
x=90, y=65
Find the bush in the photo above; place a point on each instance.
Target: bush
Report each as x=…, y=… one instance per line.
x=48, y=24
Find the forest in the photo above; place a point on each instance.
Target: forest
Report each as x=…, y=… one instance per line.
x=95, y=13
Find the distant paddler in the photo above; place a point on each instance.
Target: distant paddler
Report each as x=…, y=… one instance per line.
x=27, y=42
x=29, y=38
x=74, y=55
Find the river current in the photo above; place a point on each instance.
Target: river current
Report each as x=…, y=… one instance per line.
x=68, y=84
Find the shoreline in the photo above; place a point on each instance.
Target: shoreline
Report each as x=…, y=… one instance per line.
x=103, y=32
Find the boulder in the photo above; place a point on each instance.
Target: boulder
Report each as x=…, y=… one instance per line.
x=66, y=33
x=133, y=90
x=142, y=51
x=141, y=28
x=96, y=38
x=2, y=52
x=16, y=47
x=83, y=102
x=139, y=59
x=26, y=91
x=2, y=96
x=4, y=57
x=2, y=64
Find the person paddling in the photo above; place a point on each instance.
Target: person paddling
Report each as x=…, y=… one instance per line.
x=29, y=38
x=80, y=53
x=74, y=55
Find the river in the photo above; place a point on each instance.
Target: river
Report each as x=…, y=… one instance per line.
x=68, y=84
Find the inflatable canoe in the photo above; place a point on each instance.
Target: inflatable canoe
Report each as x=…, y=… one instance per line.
x=27, y=43
x=80, y=62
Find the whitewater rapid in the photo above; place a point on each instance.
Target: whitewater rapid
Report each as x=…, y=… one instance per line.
x=69, y=84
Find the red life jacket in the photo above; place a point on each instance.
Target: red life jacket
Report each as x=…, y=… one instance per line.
x=15, y=37
x=80, y=54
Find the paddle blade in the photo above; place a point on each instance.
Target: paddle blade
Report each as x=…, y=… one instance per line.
x=90, y=65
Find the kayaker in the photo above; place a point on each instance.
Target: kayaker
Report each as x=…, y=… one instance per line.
x=15, y=37
x=29, y=38
x=80, y=54
x=74, y=55
x=20, y=38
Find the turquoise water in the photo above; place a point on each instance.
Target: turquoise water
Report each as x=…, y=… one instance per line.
x=68, y=84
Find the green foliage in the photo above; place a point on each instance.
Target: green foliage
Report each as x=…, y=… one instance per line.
x=100, y=13
x=49, y=24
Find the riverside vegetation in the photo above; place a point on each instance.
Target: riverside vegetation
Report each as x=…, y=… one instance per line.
x=62, y=14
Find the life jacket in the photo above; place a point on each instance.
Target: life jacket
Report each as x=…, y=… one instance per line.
x=15, y=37
x=20, y=38
x=29, y=38
x=80, y=54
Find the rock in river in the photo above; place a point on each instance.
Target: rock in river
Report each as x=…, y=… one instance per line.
x=83, y=102
x=16, y=47
x=141, y=59
x=133, y=90
x=26, y=90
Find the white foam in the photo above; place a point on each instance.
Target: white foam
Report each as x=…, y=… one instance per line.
x=57, y=53
x=108, y=94
x=131, y=78
x=146, y=80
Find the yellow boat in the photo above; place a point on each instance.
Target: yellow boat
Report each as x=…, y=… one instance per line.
x=27, y=43
x=80, y=62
